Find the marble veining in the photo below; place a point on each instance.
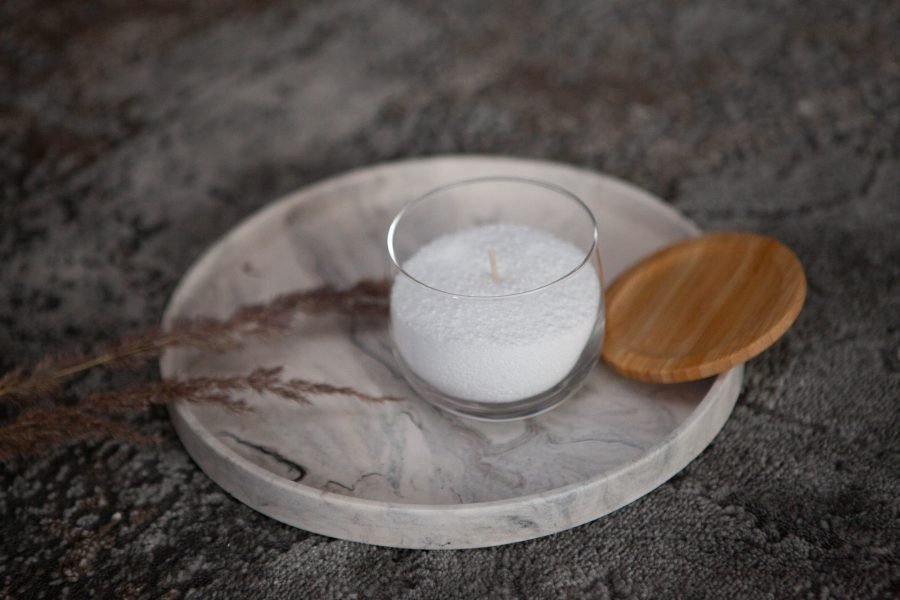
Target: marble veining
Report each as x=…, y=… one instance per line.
x=403, y=473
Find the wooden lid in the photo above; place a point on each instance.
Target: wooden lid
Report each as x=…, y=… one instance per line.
x=701, y=306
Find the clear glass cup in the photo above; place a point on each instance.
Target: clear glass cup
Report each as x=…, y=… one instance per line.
x=497, y=298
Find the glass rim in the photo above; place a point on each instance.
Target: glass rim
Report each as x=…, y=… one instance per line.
x=392, y=230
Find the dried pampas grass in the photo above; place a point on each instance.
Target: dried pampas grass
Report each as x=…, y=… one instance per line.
x=93, y=415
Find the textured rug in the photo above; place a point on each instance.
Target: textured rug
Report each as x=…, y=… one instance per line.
x=133, y=135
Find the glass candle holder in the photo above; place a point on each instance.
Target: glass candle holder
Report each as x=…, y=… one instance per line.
x=497, y=297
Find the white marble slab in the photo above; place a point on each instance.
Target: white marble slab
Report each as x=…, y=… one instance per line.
x=404, y=474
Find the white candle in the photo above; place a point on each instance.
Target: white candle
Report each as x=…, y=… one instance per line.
x=484, y=347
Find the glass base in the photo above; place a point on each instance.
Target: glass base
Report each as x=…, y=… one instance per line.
x=516, y=409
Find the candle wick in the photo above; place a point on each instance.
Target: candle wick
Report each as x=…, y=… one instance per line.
x=492, y=257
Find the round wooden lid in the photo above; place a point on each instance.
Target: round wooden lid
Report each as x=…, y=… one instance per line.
x=701, y=306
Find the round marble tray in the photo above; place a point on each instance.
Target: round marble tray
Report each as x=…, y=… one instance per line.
x=404, y=474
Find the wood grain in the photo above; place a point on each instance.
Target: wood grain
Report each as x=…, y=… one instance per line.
x=701, y=307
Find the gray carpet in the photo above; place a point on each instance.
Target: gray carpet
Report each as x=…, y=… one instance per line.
x=134, y=134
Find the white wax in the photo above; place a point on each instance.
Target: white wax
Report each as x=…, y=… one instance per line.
x=494, y=349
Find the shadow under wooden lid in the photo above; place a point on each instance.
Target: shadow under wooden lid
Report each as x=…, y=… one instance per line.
x=701, y=306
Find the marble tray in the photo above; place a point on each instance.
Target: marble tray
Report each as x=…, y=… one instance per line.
x=404, y=474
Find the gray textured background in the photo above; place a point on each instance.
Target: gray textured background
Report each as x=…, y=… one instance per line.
x=133, y=134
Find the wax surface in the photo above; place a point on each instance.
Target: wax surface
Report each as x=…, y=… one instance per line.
x=487, y=348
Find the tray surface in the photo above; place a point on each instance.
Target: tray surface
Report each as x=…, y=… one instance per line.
x=404, y=474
